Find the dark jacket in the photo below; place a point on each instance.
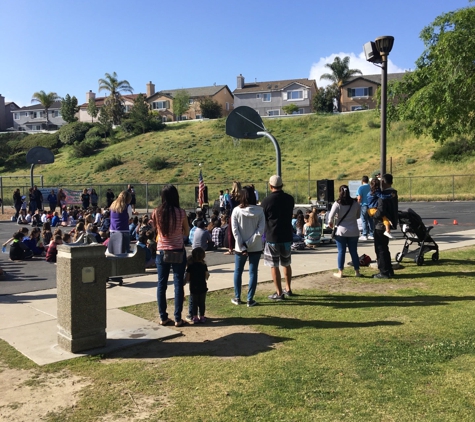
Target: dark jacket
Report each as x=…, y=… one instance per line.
x=278, y=209
x=387, y=208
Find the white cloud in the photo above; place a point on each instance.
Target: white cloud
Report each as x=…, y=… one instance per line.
x=356, y=62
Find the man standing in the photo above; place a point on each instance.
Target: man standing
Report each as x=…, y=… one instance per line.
x=366, y=220
x=110, y=197
x=133, y=202
x=278, y=209
x=386, y=208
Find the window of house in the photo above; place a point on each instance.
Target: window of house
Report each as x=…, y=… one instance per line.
x=184, y=117
x=198, y=116
x=360, y=92
x=299, y=111
x=258, y=96
x=164, y=119
x=127, y=108
x=56, y=113
x=16, y=116
x=159, y=105
x=266, y=97
x=37, y=114
x=273, y=112
x=295, y=95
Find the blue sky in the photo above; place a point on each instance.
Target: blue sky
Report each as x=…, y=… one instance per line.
x=66, y=46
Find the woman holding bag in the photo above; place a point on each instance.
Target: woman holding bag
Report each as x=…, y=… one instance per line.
x=343, y=217
x=248, y=224
x=171, y=227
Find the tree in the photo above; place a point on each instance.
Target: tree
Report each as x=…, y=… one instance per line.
x=210, y=109
x=140, y=114
x=105, y=120
x=323, y=99
x=92, y=109
x=46, y=100
x=438, y=97
x=69, y=107
x=181, y=103
x=114, y=102
x=290, y=109
x=341, y=73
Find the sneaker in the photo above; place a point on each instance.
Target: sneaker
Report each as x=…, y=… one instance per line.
x=387, y=234
x=338, y=275
x=251, y=303
x=370, y=237
x=189, y=318
x=363, y=238
x=236, y=301
x=195, y=320
x=287, y=292
x=202, y=320
x=275, y=296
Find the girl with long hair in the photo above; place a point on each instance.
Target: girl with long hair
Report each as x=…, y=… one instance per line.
x=120, y=214
x=235, y=199
x=344, y=215
x=171, y=225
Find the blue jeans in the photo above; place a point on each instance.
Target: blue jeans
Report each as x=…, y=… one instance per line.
x=239, y=262
x=366, y=221
x=163, y=270
x=352, y=243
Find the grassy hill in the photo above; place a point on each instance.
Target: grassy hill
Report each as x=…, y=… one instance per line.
x=339, y=147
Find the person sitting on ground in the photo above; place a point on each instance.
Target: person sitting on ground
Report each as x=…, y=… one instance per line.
x=142, y=243
x=374, y=194
x=312, y=230
x=52, y=249
x=217, y=235
x=191, y=235
x=34, y=242
x=66, y=238
x=92, y=232
x=79, y=232
x=98, y=217
x=22, y=217
x=55, y=221
x=47, y=234
x=202, y=237
x=106, y=222
x=151, y=243
x=19, y=251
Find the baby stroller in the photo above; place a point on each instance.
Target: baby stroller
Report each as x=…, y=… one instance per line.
x=414, y=230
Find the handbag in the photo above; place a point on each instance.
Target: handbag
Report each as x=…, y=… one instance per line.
x=173, y=257
x=335, y=227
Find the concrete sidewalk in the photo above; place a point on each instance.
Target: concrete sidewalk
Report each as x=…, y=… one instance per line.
x=28, y=320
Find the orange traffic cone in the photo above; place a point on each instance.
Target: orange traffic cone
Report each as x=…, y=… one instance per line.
x=455, y=222
x=435, y=223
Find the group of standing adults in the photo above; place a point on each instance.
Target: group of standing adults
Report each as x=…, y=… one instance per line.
x=344, y=215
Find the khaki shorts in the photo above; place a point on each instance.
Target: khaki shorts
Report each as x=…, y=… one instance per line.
x=276, y=254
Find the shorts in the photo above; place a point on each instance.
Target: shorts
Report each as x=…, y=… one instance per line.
x=276, y=254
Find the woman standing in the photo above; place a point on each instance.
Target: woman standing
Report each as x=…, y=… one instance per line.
x=17, y=202
x=120, y=214
x=94, y=198
x=248, y=224
x=234, y=200
x=171, y=226
x=52, y=200
x=85, y=198
x=344, y=215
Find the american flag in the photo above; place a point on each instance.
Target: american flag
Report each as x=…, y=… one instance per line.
x=201, y=190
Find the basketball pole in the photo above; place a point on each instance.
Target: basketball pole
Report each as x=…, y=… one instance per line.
x=277, y=150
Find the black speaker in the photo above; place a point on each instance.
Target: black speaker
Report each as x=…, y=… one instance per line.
x=205, y=194
x=325, y=190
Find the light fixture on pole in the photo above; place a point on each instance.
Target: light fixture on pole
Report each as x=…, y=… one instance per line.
x=378, y=52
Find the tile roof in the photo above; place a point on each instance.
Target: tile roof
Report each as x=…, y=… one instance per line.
x=273, y=85
x=203, y=91
x=100, y=100
x=376, y=78
x=39, y=106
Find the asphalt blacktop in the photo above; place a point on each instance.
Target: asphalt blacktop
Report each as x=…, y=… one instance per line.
x=28, y=305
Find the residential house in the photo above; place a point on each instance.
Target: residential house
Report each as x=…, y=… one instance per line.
x=268, y=98
x=360, y=91
x=6, y=116
x=34, y=117
x=83, y=115
x=162, y=101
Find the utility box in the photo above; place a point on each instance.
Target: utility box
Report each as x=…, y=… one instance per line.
x=81, y=277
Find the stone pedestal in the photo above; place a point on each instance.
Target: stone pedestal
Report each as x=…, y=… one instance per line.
x=81, y=279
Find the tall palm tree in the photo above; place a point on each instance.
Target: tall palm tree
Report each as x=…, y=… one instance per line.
x=114, y=101
x=46, y=100
x=341, y=73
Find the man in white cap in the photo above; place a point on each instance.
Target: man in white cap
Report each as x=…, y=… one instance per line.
x=278, y=209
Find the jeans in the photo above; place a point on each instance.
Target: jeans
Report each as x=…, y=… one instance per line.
x=366, y=221
x=239, y=262
x=352, y=243
x=163, y=270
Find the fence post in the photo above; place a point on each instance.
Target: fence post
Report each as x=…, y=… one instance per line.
x=410, y=189
x=1, y=191
x=146, y=196
x=42, y=185
x=453, y=187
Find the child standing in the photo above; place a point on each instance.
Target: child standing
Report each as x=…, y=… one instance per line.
x=197, y=274
x=374, y=194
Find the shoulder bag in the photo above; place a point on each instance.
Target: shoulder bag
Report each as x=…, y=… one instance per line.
x=335, y=227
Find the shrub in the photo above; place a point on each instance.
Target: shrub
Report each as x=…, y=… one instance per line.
x=410, y=160
x=455, y=150
x=157, y=163
x=73, y=132
x=342, y=176
x=109, y=163
x=373, y=125
x=46, y=140
x=81, y=149
x=96, y=131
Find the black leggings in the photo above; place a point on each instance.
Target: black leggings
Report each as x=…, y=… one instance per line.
x=198, y=303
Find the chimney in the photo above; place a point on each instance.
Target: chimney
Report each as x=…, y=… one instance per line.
x=150, y=89
x=90, y=95
x=240, y=81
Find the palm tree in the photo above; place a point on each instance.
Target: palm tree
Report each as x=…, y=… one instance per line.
x=46, y=100
x=341, y=72
x=114, y=101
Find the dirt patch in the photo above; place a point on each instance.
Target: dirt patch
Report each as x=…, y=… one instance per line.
x=29, y=395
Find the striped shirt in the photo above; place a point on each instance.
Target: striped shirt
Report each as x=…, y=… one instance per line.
x=173, y=240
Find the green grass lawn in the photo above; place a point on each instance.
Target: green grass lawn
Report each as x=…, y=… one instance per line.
x=401, y=354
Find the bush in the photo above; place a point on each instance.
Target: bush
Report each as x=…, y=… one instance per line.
x=46, y=140
x=342, y=176
x=81, y=149
x=455, y=150
x=73, y=132
x=109, y=163
x=157, y=163
x=95, y=132
x=373, y=125
x=410, y=160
